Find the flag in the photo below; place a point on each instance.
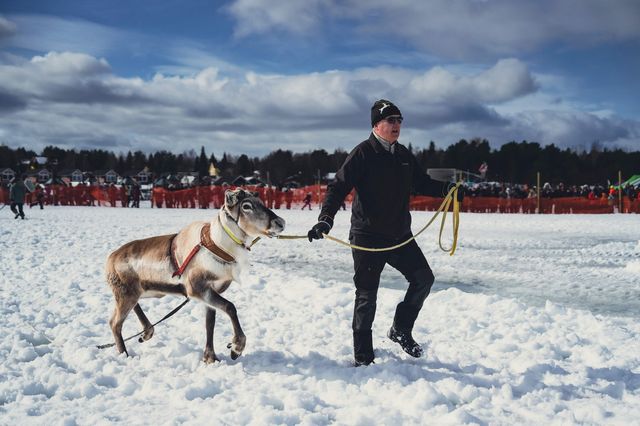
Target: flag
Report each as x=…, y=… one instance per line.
x=483, y=169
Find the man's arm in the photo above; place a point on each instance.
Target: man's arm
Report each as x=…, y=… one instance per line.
x=424, y=185
x=336, y=193
x=343, y=183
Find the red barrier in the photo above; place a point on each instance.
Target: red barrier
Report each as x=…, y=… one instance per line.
x=213, y=196
x=565, y=205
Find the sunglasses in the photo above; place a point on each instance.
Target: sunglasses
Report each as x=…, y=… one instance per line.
x=393, y=120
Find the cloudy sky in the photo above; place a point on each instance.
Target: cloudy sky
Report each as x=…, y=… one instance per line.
x=252, y=76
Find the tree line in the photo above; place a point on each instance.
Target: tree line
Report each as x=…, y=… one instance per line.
x=516, y=162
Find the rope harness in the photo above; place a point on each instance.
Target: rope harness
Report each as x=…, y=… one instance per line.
x=176, y=309
x=452, y=196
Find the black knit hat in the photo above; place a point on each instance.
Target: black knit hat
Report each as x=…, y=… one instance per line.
x=382, y=109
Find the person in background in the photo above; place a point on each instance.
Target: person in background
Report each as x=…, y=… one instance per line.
x=39, y=198
x=383, y=173
x=135, y=195
x=288, y=197
x=124, y=195
x=278, y=197
x=307, y=201
x=112, y=193
x=17, y=192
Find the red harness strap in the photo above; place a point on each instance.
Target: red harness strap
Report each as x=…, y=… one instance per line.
x=180, y=270
x=206, y=242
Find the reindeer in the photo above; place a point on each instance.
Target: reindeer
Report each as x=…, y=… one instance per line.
x=175, y=264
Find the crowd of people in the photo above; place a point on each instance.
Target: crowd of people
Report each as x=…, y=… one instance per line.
x=212, y=196
x=559, y=190
x=39, y=195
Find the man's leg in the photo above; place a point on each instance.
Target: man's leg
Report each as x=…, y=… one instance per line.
x=367, y=266
x=410, y=261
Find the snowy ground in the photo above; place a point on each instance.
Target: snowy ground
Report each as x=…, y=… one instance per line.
x=533, y=321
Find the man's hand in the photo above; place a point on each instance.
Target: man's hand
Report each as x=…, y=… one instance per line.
x=320, y=228
x=461, y=191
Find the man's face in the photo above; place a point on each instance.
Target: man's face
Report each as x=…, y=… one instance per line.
x=389, y=128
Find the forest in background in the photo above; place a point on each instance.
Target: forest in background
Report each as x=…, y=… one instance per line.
x=515, y=162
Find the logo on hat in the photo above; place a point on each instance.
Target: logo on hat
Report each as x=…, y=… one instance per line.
x=384, y=105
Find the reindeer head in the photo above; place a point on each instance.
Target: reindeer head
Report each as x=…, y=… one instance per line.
x=251, y=215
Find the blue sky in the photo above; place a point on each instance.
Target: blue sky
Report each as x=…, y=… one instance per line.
x=252, y=76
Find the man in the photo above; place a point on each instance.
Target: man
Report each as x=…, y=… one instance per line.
x=17, y=191
x=383, y=173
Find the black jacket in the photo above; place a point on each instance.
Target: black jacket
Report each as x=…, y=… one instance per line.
x=383, y=184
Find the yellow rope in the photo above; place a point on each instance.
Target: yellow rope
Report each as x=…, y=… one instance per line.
x=236, y=239
x=452, y=195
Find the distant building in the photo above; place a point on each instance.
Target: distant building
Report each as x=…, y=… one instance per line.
x=144, y=176
x=72, y=175
x=6, y=175
x=40, y=175
x=108, y=176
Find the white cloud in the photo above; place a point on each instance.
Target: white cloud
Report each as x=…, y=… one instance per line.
x=581, y=127
x=507, y=80
x=7, y=28
x=75, y=100
x=69, y=64
x=44, y=33
x=450, y=28
x=260, y=17
x=192, y=58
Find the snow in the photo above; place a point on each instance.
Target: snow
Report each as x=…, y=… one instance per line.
x=534, y=320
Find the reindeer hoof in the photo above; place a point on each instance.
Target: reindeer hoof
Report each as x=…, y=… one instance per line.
x=237, y=346
x=148, y=334
x=235, y=350
x=210, y=357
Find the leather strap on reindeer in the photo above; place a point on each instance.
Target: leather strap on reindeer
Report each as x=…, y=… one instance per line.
x=209, y=244
x=206, y=242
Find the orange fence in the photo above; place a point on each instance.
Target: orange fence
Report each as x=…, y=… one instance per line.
x=213, y=197
x=563, y=205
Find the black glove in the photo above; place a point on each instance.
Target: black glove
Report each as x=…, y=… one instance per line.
x=323, y=226
x=461, y=192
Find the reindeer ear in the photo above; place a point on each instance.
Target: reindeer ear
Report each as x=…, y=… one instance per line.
x=233, y=197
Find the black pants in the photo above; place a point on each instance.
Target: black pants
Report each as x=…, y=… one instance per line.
x=368, y=266
x=17, y=209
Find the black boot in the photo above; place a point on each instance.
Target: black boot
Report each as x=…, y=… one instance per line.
x=361, y=362
x=362, y=348
x=403, y=337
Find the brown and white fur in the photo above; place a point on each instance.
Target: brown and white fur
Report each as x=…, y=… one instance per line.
x=144, y=268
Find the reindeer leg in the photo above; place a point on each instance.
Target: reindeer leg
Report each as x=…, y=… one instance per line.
x=123, y=307
x=239, y=340
x=209, y=354
x=159, y=287
x=164, y=288
x=146, y=324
